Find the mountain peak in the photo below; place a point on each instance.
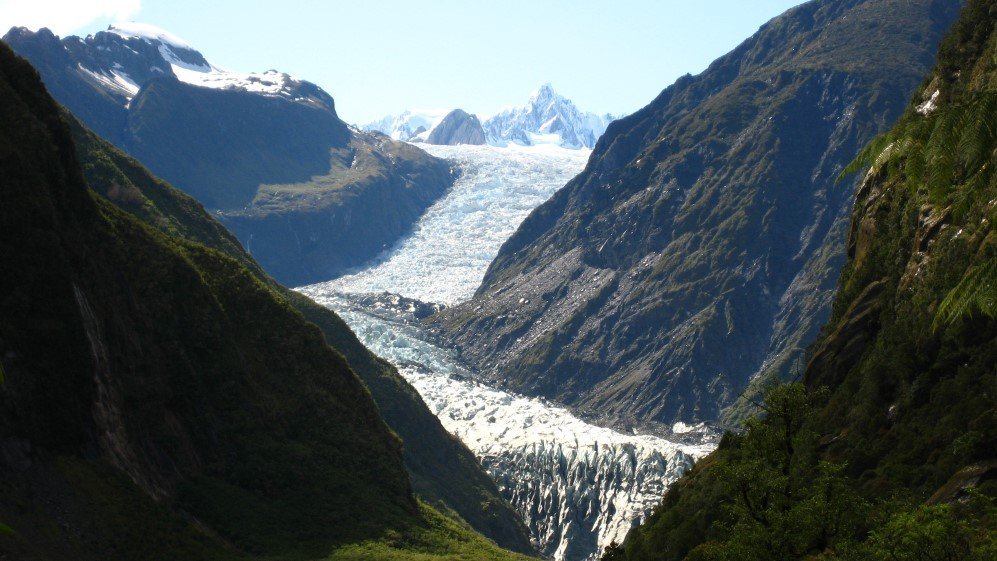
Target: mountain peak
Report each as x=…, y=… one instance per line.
x=148, y=32
x=546, y=118
x=121, y=59
x=545, y=90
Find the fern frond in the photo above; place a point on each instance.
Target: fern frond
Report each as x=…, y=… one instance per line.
x=977, y=291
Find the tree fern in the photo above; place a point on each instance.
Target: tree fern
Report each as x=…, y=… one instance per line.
x=950, y=154
x=977, y=291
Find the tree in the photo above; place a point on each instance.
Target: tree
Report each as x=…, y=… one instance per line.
x=785, y=502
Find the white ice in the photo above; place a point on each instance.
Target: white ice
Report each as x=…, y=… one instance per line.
x=446, y=256
x=577, y=486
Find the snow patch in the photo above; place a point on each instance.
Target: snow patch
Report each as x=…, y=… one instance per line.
x=149, y=33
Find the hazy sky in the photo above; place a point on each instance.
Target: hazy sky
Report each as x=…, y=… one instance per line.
x=380, y=57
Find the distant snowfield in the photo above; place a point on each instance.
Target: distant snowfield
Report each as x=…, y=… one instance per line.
x=446, y=256
x=577, y=486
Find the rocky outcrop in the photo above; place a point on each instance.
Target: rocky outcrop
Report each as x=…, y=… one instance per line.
x=701, y=245
x=458, y=127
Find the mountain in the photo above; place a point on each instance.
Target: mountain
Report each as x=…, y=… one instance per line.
x=443, y=471
x=547, y=118
x=158, y=400
x=458, y=127
x=898, y=417
x=307, y=195
x=699, y=248
x=408, y=126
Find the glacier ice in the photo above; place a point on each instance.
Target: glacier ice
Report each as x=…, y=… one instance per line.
x=445, y=257
x=578, y=486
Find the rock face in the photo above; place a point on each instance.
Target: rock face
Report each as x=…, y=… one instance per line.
x=700, y=247
x=264, y=149
x=458, y=127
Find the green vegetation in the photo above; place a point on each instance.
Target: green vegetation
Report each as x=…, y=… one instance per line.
x=440, y=539
x=768, y=494
x=443, y=471
x=162, y=400
x=889, y=454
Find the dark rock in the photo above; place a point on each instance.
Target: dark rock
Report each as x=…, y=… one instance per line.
x=969, y=477
x=457, y=127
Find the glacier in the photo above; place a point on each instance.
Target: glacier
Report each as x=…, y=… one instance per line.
x=445, y=257
x=578, y=486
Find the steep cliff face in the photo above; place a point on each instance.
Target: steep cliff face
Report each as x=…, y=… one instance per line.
x=443, y=471
x=266, y=151
x=699, y=247
x=906, y=362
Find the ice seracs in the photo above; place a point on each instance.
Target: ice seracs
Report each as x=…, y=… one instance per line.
x=445, y=257
x=578, y=486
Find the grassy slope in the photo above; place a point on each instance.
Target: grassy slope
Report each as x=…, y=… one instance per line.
x=910, y=404
x=136, y=367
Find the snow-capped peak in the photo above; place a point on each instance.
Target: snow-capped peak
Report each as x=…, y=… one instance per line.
x=129, y=54
x=148, y=32
x=547, y=118
x=412, y=126
x=544, y=92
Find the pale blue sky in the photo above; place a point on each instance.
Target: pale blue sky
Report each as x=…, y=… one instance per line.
x=380, y=57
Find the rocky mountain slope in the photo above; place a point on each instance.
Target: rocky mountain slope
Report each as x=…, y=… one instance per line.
x=306, y=194
x=699, y=248
x=458, y=127
x=546, y=118
x=896, y=416
x=152, y=374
